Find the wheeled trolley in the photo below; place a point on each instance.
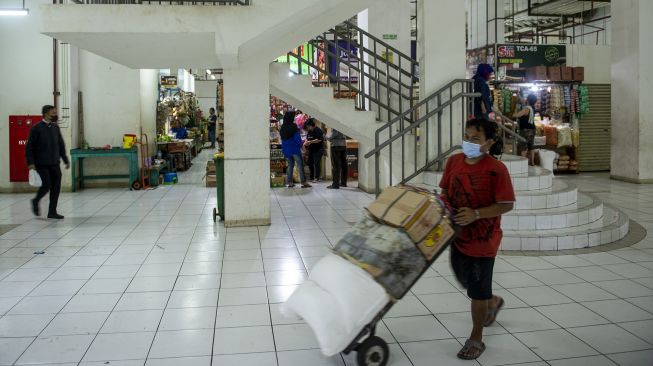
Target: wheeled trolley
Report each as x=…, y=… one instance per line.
x=371, y=349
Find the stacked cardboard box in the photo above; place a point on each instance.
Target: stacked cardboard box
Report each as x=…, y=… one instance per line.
x=210, y=174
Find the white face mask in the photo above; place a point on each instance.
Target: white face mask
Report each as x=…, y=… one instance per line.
x=472, y=150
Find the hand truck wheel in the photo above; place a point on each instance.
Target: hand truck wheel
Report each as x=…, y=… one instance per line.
x=373, y=352
x=215, y=214
x=136, y=185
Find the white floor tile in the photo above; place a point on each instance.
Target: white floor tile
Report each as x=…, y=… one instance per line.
x=571, y=315
x=308, y=357
x=583, y=292
x=555, y=344
x=538, y=296
x=12, y=348
x=23, y=325
x=56, y=349
x=294, y=337
x=609, y=339
x=182, y=361
x=182, y=343
x=143, y=301
x=632, y=358
x=460, y=324
x=417, y=328
x=504, y=349
x=243, y=316
x=618, y=310
x=429, y=353
x=243, y=296
x=119, y=346
x=132, y=321
x=252, y=359
x=584, y=361
x=75, y=324
x=446, y=303
x=40, y=305
x=524, y=320
x=642, y=329
x=188, y=318
x=243, y=340
x=91, y=303
x=408, y=306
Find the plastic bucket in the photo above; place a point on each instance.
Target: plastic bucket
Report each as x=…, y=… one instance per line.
x=128, y=140
x=170, y=178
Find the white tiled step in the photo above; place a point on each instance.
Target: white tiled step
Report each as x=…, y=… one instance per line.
x=587, y=210
x=515, y=164
x=536, y=179
x=562, y=193
x=612, y=227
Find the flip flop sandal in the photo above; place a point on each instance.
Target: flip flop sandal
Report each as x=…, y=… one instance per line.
x=493, y=314
x=466, y=352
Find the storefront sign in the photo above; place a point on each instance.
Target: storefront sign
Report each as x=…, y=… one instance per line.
x=169, y=81
x=389, y=36
x=306, y=53
x=347, y=54
x=523, y=56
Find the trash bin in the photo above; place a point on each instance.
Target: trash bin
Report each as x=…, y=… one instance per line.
x=219, y=177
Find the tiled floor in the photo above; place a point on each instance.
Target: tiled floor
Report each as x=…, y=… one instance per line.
x=147, y=278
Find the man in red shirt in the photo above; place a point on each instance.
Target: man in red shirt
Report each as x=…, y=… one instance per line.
x=478, y=187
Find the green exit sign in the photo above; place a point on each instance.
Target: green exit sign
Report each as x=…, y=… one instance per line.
x=389, y=36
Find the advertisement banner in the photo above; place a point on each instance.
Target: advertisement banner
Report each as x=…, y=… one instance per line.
x=348, y=52
x=523, y=56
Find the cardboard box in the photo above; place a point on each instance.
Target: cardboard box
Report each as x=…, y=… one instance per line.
x=211, y=180
x=555, y=73
x=567, y=73
x=537, y=73
x=210, y=167
x=436, y=240
x=579, y=73
x=416, y=212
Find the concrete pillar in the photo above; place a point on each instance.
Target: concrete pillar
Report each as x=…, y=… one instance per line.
x=632, y=117
x=247, y=148
x=441, y=54
x=483, y=27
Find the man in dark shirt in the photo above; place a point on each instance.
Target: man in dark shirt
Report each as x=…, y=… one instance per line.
x=338, y=159
x=213, y=120
x=44, y=150
x=315, y=146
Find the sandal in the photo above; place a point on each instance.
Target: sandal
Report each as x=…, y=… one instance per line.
x=471, y=350
x=306, y=185
x=492, y=314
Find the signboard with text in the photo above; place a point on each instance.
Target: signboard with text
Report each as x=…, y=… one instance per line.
x=527, y=55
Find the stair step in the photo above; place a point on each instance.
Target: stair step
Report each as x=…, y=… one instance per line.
x=537, y=179
x=515, y=164
x=613, y=226
x=562, y=193
x=587, y=210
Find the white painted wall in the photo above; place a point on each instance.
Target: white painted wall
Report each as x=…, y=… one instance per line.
x=206, y=92
x=26, y=59
x=632, y=117
x=596, y=60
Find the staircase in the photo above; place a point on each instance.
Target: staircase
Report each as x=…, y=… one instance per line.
x=550, y=213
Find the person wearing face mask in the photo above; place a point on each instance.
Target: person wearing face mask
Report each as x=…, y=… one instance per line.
x=479, y=188
x=44, y=151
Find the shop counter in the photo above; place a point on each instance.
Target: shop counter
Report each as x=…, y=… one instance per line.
x=78, y=156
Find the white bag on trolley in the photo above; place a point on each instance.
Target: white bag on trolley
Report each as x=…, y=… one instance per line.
x=337, y=301
x=34, y=178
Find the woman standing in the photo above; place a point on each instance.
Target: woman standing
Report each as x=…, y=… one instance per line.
x=291, y=144
x=483, y=104
x=526, y=118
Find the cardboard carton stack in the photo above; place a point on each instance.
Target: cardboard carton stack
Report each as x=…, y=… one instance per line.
x=210, y=174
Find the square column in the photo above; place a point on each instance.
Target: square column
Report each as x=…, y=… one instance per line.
x=632, y=116
x=247, y=145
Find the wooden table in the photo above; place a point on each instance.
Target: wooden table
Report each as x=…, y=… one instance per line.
x=78, y=155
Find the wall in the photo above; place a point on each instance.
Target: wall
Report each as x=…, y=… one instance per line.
x=632, y=117
x=27, y=78
x=595, y=59
x=117, y=100
x=206, y=92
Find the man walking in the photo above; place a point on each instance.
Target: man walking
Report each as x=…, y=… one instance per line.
x=45, y=147
x=338, y=159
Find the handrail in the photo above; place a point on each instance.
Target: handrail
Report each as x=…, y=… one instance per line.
x=379, y=83
x=416, y=124
x=437, y=160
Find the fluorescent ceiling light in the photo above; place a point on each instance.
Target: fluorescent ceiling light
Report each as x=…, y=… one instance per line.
x=213, y=77
x=14, y=12
x=208, y=71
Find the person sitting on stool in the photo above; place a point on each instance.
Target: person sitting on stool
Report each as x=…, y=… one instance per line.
x=44, y=150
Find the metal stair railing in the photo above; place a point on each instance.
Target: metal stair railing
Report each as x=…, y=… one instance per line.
x=423, y=119
x=434, y=117
x=381, y=77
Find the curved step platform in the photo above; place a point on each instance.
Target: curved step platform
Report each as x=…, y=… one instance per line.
x=550, y=214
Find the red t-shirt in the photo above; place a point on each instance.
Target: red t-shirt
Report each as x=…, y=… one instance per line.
x=477, y=186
